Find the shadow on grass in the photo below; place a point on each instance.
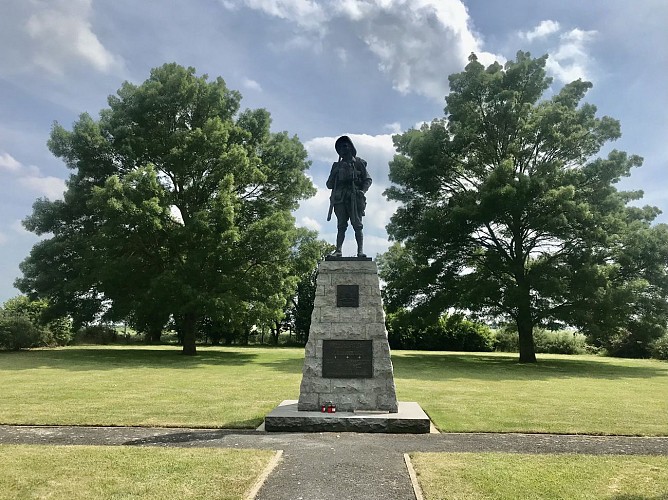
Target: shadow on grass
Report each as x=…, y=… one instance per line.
x=435, y=366
x=101, y=358
x=444, y=366
x=286, y=365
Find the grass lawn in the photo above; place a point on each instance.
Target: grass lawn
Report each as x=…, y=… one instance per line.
x=236, y=387
x=105, y=472
x=492, y=392
x=512, y=476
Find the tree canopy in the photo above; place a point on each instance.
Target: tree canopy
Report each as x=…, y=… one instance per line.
x=506, y=210
x=178, y=205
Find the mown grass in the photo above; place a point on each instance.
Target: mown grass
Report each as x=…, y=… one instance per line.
x=501, y=476
x=106, y=472
x=146, y=386
x=236, y=387
x=492, y=392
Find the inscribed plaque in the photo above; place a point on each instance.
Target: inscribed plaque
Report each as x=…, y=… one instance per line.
x=347, y=358
x=347, y=296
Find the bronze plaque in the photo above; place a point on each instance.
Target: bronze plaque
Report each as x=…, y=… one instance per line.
x=347, y=358
x=347, y=296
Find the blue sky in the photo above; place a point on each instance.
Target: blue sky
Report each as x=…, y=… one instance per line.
x=366, y=68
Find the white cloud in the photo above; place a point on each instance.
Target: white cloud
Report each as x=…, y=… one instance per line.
x=176, y=214
x=570, y=60
x=54, y=36
x=18, y=228
x=52, y=187
x=416, y=43
x=544, y=29
x=8, y=162
x=341, y=54
x=30, y=177
x=310, y=223
x=3, y=238
x=251, y=84
x=394, y=127
x=306, y=13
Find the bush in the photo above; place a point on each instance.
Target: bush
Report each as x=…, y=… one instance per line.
x=659, y=348
x=58, y=332
x=407, y=330
x=506, y=340
x=559, y=341
x=545, y=341
x=96, y=334
x=24, y=325
x=18, y=332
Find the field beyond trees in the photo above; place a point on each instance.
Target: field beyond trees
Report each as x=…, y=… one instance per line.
x=236, y=387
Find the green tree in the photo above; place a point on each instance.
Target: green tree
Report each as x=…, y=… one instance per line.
x=23, y=324
x=506, y=211
x=302, y=301
x=178, y=206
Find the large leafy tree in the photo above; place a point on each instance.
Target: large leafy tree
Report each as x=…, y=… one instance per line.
x=178, y=206
x=301, y=304
x=507, y=211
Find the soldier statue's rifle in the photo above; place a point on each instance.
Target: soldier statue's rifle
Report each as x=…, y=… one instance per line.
x=331, y=196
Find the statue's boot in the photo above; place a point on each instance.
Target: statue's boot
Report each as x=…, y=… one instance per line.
x=359, y=237
x=340, y=236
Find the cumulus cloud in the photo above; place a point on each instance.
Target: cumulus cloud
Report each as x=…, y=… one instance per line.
x=9, y=163
x=568, y=57
x=416, y=43
x=394, y=127
x=251, y=84
x=310, y=223
x=52, y=36
x=308, y=14
x=570, y=60
x=31, y=178
x=545, y=28
x=52, y=187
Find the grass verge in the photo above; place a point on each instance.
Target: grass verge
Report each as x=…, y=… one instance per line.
x=106, y=472
x=502, y=476
x=236, y=387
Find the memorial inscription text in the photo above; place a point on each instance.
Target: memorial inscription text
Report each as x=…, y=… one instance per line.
x=347, y=359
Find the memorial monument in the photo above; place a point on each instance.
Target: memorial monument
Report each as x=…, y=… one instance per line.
x=347, y=378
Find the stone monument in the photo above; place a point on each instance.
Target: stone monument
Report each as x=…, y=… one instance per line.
x=347, y=360
x=347, y=364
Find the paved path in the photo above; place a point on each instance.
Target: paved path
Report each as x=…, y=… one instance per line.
x=324, y=466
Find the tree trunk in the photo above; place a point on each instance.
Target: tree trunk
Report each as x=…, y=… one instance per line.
x=525, y=329
x=527, y=351
x=189, y=322
x=153, y=335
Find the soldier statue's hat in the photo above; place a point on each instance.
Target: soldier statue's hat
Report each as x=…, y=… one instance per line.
x=341, y=140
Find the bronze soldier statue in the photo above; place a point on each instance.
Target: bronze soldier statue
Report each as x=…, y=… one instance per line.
x=349, y=181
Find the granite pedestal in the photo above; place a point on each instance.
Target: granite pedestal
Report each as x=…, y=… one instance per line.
x=347, y=360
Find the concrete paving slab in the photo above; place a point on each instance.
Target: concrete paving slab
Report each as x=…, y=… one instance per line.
x=410, y=419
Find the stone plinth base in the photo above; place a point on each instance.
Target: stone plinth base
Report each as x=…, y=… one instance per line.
x=358, y=320
x=410, y=419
